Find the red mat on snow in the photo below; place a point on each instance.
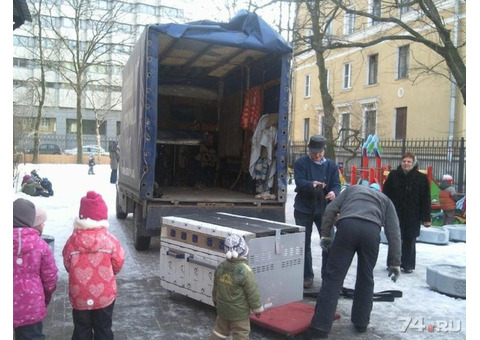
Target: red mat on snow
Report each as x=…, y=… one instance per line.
x=290, y=319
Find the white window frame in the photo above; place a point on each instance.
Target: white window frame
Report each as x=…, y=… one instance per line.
x=308, y=38
x=371, y=81
x=373, y=9
x=307, y=90
x=306, y=129
x=327, y=32
x=403, y=7
x=349, y=22
x=403, y=62
x=347, y=76
x=321, y=116
x=342, y=123
x=328, y=78
x=368, y=104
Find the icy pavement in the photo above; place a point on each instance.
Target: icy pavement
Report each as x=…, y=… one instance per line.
x=144, y=310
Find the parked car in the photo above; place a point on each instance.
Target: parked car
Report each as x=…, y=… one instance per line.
x=87, y=150
x=47, y=149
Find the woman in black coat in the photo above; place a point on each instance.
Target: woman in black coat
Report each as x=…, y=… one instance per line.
x=409, y=190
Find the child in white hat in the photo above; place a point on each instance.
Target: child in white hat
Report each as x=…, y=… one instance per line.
x=235, y=292
x=448, y=199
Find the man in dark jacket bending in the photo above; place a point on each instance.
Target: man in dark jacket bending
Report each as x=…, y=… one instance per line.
x=359, y=213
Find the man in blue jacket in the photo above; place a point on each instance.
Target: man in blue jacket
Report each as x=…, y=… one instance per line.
x=317, y=182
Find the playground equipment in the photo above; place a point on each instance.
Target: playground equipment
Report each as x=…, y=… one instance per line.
x=368, y=175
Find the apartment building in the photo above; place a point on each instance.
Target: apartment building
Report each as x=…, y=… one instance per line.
x=103, y=79
x=391, y=89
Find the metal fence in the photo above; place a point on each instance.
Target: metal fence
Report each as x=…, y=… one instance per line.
x=444, y=156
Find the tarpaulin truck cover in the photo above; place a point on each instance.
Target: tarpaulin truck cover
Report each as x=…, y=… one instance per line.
x=203, y=50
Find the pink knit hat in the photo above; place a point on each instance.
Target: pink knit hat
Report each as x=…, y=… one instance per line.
x=93, y=206
x=40, y=216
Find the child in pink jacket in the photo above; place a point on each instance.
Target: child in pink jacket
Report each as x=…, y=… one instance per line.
x=92, y=256
x=35, y=273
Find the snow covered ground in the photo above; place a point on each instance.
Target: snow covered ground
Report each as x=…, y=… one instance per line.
x=403, y=319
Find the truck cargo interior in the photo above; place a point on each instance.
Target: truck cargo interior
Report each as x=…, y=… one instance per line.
x=203, y=141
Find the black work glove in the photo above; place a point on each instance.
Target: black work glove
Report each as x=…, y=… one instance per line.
x=325, y=243
x=393, y=272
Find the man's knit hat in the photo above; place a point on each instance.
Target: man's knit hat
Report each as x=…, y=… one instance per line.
x=93, y=206
x=23, y=213
x=317, y=144
x=235, y=246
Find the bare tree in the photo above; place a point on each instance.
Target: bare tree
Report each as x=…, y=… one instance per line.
x=440, y=37
x=103, y=103
x=312, y=33
x=21, y=133
x=92, y=40
x=35, y=87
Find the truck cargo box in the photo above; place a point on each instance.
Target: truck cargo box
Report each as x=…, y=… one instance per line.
x=204, y=123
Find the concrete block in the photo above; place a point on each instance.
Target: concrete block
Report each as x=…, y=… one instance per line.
x=448, y=279
x=457, y=232
x=434, y=235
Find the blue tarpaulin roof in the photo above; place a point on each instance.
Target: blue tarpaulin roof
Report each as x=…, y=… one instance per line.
x=245, y=30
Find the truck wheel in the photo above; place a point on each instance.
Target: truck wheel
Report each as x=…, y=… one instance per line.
x=121, y=215
x=140, y=242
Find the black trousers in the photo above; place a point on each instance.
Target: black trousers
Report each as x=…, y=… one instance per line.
x=409, y=252
x=30, y=332
x=307, y=221
x=113, y=176
x=93, y=324
x=353, y=236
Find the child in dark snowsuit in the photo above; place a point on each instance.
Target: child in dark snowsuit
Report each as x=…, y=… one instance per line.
x=91, y=164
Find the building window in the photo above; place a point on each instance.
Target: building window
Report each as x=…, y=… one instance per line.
x=88, y=127
x=373, y=69
x=376, y=10
x=68, y=22
x=19, y=62
x=403, y=56
x=401, y=123
x=344, y=126
x=328, y=78
x=321, y=125
x=347, y=76
x=308, y=39
x=327, y=32
x=307, y=88
x=170, y=12
x=404, y=6
x=23, y=41
x=142, y=8
x=349, y=22
x=48, y=125
x=306, y=129
x=370, y=123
